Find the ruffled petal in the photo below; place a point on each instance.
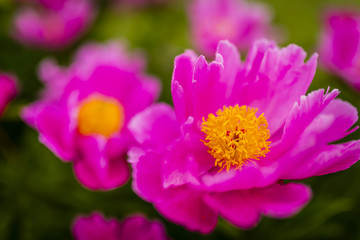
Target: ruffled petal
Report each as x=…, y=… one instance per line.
x=332, y=124
x=273, y=79
x=330, y=159
x=196, y=82
x=301, y=115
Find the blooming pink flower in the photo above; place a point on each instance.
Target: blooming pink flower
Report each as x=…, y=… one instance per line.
x=96, y=227
x=8, y=90
x=234, y=20
x=238, y=129
x=84, y=111
x=52, y=24
x=340, y=45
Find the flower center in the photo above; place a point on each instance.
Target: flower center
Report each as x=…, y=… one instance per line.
x=236, y=136
x=100, y=115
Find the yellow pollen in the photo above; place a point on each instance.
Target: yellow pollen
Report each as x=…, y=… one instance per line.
x=236, y=136
x=100, y=115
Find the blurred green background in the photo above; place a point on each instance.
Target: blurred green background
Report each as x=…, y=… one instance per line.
x=39, y=195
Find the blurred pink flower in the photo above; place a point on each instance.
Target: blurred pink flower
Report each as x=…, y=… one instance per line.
x=96, y=227
x=238, y=129
x=83, y=113
x=52, y=23
x=8, y=90
x=339, y=46
x=234, y=20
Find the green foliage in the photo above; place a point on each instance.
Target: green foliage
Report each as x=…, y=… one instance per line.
x=39, y=195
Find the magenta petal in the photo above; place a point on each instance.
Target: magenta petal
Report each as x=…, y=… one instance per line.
x=334, y=122
x=330, y=125
x=187, y=159
x=189, y=209
x=301, y=115
x=95, y=169
x=228, y=54
x=207, y=84
x=181, y=85
x=8, y=90
x=147, y=182
x=139, y=228
x=332, y=158
x=55, y=131
x=155, y=126
x=95, y=227
x=243, y=208
x=282, y=201
x=250, y=176
x=273, y=79
x=238, y=207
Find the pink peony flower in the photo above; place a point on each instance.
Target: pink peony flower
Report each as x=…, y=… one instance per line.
x=52, y=24
x=96, y=227
x=237, y=130
x=340, y=45
x=234, y=20
x=84, y=111
x=8, y=90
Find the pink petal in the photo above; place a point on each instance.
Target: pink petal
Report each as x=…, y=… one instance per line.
x=273, y=79
x=187, y=159
x=301, y=115
x=146, y=174
x=97, y=170
x=243, y=208
x=330, y=125
x=206, y=85
x=53, y=125
x=8, y=90
x=139, y=228
x=188, y=209
x=95, y=227
x=181, y=85
x=329, y=159
x=238, y=207
x=283, y=201
x=156, y=126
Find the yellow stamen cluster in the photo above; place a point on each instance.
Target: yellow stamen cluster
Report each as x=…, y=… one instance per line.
x=236, y=136
x=100, y=115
